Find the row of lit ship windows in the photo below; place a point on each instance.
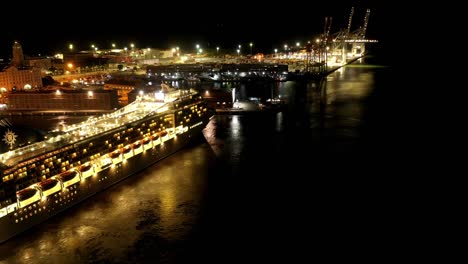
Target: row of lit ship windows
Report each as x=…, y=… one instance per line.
x=23, y=173
x=32, y=162
x=65, y=200
x=23, y=214
x=60, y=199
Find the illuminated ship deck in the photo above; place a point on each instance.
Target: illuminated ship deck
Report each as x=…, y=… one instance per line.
x=144, y=105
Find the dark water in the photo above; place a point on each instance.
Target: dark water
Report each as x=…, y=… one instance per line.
x=312, y=182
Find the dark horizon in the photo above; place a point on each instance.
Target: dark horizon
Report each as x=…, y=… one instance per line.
x=264, y=25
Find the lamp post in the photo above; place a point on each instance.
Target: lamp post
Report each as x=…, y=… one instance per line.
x=70, y=47
x=251, y=44
x=238, y=52
x=276, y=51
x=217, y=51
x=326, y=57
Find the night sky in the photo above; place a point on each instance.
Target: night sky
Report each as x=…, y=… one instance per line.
x=43, y=29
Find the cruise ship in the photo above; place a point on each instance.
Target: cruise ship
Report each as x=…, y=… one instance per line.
x=73, y=162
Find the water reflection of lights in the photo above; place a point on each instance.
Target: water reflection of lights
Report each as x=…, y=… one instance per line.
x=235, y=126
x=279, y=121
x=168, y=202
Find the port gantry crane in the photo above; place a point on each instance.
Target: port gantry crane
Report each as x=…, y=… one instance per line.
x=338, y=45
x=346, y=41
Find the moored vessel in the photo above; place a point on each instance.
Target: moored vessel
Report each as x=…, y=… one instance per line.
x=70, y=164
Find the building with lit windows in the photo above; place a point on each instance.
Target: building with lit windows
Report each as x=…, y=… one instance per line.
x=43, y=63
x=17, y=76
x=63, y=100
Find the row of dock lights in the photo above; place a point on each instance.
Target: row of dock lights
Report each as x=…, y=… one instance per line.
x=199, y=50
x=94, y=47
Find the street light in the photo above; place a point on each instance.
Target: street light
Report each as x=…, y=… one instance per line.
x=70, y=67
x=238, y=52
x=70, y=47
x=285, y=46
x=113, y=45
x=298, y=44
x=251, y=44
x=276, y=51
x=217, y=50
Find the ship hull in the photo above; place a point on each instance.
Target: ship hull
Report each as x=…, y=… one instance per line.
x=38, y=212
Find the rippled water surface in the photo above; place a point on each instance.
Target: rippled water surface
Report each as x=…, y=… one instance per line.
x=274, y=186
